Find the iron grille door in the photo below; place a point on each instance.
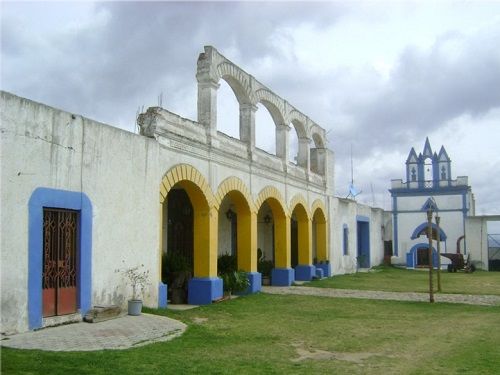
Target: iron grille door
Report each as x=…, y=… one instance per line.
x=59, y=261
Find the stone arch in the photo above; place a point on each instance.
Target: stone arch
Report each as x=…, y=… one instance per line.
x=238, y=80
x=299, y=199
x=299, y=121
x=205, y=286
x=282, y=273
x=319, y=221
x=318, y=139
x=272, y=103
x=301, y=238
x=246, y=224
x=271, y=192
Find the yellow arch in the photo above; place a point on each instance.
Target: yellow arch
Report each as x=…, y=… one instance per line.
x=246, y=222
x=281, y=224
x=186, y=172
x=231, y=184
x=271, y=192
x=318, y=204
x=299, y=199
x=299, y=205
x=319, y=219
x=204, y=212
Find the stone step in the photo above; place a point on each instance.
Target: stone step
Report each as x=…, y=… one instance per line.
x=102, y=313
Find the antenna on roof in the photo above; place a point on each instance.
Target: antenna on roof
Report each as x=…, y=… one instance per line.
x=353, y=192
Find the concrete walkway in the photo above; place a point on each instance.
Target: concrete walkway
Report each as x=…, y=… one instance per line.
x=120, y=333
x=485, y=300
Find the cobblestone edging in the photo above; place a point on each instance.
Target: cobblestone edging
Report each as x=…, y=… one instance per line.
x=485, y=300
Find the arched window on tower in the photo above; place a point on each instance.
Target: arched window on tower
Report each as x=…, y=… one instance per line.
x=428, y=172
x=443, y=173
x=413, y=174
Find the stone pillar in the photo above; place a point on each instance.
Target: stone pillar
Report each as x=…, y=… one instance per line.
x=247, y=125
x=282, y=142
x=207, y=106
x=303, y=159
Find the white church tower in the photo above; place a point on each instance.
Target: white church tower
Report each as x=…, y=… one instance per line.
x=428, y=177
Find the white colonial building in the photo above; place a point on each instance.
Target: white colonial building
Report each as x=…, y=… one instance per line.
x=429, y=182
x=81, y=199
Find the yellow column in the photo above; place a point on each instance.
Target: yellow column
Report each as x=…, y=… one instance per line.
x=282, y=241
x=247, y=241
x=321, y=240
x=305, y=242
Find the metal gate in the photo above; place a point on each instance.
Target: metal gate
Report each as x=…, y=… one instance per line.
x=59, y=261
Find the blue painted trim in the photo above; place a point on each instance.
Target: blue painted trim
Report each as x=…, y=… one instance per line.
x=327, y=269
x=255, y=280
x=423, y=226
x=411, y=256
x=363, y=235
x=304, y=272
x=444, y=190
x=162, y=295
x=319, y=273
x=204, y=290
x=70, y=200
x=361, y=218
x=345, y=239
x=282, y=276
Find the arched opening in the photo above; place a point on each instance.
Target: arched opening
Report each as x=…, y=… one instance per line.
x=300, y=243
x=319, y=236
x=273, y=241
x=178, y=251
x=228, y=111
x=293, y=150
x=265, y=130
x=184, y=187
x=317, y=155
x=302, y=155
x=428, y=172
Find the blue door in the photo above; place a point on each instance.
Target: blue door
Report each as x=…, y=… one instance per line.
x=363, y=244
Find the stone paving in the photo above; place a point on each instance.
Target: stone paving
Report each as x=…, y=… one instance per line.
x=485, y=300
x=120, y=333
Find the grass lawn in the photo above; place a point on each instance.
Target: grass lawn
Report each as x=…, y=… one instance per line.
x=273, y=334
x=393, y=279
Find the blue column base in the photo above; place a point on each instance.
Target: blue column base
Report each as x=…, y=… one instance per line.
x=319, y=273
x=282, y=276
x=162, y=295
x=255, y=279
x=204, y=290
x=327, y=269
x=304, y=272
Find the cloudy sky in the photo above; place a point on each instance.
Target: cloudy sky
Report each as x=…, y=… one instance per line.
x=379, y=76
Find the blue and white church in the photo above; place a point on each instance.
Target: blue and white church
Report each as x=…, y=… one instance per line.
x=429, y=181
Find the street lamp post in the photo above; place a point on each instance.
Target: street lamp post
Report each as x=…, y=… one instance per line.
x=429, y=236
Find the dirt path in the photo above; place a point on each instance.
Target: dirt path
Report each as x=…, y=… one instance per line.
x=485, y=300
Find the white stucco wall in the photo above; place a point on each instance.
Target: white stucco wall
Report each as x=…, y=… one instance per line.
x=117, y=170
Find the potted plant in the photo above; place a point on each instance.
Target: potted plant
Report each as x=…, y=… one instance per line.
x=138, y=278
x=233, y=280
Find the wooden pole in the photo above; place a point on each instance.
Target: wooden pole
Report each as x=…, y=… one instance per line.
x=438, y=219
x=429, y=236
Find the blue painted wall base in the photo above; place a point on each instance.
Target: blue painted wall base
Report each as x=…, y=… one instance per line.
x=204, y=290
x=162, y=295
x=304, y=272
x=327, y=269
x=255, y=279
x=319, y=273
x=282, y=276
